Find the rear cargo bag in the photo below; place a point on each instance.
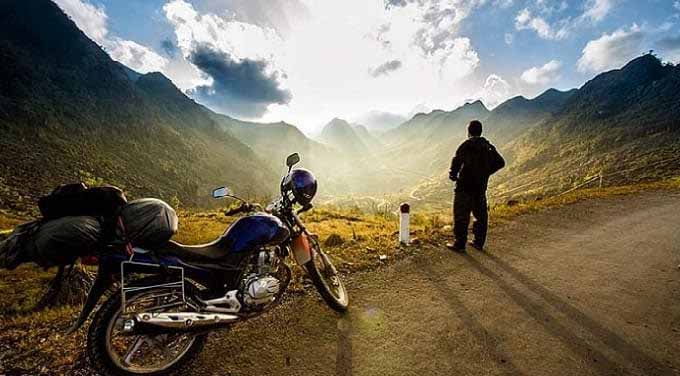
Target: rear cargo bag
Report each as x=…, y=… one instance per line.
x=77, y=200
x=149, y=222
x=61, y=241
x=18, y=247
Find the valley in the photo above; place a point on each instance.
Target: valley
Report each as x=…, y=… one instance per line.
x=144, y=135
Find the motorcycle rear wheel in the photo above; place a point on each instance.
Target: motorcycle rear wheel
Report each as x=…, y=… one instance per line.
x=325, y=278
x=100, y=344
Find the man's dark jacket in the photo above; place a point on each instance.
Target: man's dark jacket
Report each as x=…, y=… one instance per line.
x=475, y=160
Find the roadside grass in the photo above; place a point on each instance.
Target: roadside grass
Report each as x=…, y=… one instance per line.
x=504, y=212
x=354, y=239
x=30, y=342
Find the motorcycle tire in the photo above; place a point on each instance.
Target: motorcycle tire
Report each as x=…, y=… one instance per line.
x=100, y=359
x=338, y=303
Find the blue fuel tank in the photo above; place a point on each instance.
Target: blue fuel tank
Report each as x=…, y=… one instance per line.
x=253, y=231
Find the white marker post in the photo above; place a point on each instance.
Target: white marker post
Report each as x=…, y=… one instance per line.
x=405, y=209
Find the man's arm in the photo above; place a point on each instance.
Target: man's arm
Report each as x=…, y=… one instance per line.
x=456, y=163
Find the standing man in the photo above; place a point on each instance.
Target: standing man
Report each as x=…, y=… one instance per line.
x=475, y=160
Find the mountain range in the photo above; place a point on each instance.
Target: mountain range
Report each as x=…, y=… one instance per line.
x=623, y=124
x=68, y=112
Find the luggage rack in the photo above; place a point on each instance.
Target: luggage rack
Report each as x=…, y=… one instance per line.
x=175, y=287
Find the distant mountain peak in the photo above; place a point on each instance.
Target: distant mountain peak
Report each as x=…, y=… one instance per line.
x=359, y=126
x=478, y=104
x=338, y=122
x=379, y=121
x=646, y=60
x=158, y=78
x=339, y=133
x=645, y=68
x=551, y=91
x=551, y=96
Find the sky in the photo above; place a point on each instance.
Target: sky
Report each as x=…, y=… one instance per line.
x=308, y=61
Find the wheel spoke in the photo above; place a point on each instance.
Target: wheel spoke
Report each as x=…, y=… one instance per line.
x=160, y=346
x=139, y=340
x=145, y=353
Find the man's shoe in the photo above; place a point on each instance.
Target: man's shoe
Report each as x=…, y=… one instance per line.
x=476, y=246
x=455, y=247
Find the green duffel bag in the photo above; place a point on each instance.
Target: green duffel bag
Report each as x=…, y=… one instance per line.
x=62, y=241
x=17, y=248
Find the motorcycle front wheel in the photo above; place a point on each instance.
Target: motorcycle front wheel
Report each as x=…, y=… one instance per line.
x=325, y=278
x=113, y=352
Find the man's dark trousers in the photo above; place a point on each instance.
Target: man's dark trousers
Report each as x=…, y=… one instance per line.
x=465, y=203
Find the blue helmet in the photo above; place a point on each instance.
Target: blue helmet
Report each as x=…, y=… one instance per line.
x=302, y=184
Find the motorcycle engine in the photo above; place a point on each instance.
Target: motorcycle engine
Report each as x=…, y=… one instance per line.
x=260, y=288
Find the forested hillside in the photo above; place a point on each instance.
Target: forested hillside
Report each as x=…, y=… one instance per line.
x=68, y=112
x=623, y=125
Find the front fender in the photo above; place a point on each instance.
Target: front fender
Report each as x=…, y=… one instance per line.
x=302, y=249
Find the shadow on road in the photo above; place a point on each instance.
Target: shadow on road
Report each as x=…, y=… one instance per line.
x=578, y=345
x=486, y=339
x=343, y=357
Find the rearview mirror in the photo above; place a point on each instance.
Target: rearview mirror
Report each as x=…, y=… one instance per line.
x=292, y=160
x=220, y=192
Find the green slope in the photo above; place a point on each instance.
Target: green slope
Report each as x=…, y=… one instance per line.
x=68, y=111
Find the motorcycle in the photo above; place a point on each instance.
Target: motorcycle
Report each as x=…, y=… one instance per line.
x=172, y=297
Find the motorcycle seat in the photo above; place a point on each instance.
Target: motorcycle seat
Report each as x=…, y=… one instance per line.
x=211, y=252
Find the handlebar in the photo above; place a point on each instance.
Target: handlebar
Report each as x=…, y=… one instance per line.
x=235, y=211
x=244, y=208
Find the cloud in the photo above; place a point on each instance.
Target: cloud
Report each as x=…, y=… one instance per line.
x=611, y=50
x=236, y=38
x=385, y=68
x=242, y=87
x=432, y=24
x=93, y=21
x=676, y=5
x=280, y=15
x=327, y=55
x=239, y=59
x=495, y=91
x=550, y=7
x=509, y=38
x=670, y=43
x=670, y=48
x=427, y=30
x=544, y=75
x=135, y=56
x=596, y=10
x=169, y=47
x=503, y=3
x=395, y=3
x=526, y=20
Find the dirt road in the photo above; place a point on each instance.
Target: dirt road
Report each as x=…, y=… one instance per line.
x=588, y=289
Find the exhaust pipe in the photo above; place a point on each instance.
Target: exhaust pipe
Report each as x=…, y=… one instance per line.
x=182, y=320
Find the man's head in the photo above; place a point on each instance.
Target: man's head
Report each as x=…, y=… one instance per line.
x=475, y=128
